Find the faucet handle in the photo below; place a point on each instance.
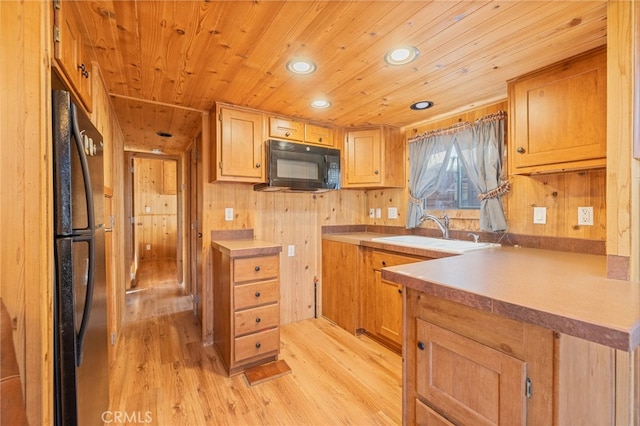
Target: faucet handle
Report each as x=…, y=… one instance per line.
x=476, y=237
x=446, y=220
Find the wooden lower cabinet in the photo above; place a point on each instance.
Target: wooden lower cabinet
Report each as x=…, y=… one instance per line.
x=246, y=294
x=341, y=293
x=466, y=366
x=383, y=300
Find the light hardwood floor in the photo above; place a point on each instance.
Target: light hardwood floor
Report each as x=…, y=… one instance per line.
x=164, y=374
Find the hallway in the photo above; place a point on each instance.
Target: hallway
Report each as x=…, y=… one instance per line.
x=157, y=292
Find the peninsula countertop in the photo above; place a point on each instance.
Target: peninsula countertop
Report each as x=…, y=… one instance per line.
x=246, y=247
x=565, y=292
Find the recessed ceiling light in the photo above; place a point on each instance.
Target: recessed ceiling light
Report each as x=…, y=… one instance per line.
x=402, y=55
x=421, y=105
x=320, y=103
x=301, y=66
x=164, y=134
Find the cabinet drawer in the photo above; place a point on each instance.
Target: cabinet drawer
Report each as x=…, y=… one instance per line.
x=254, y=345
x=255, y=268
x=286, y=129
x=381, y=259
x=256, y=319
x=261, y=293
x=318, y=134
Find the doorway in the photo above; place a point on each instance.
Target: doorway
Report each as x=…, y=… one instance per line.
x=155, y=248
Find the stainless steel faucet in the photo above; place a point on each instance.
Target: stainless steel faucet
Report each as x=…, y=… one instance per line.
x=444, y=227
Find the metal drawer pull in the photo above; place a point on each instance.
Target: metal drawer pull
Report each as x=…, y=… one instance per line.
x=257, y=294
x=258, y=345
x=258, y=320
x=257, y=268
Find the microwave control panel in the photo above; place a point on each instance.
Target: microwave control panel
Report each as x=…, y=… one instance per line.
x=333, y=173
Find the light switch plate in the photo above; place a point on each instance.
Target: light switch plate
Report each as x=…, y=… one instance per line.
x=392, y=212
x=540, y=215
x=291, y=250
x=378, y=213
x=228, y=214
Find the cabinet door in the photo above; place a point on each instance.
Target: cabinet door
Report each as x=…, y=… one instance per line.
x=388, y=309
x=240, y=146
x=341, y=298
x=426, y=416
x=282, y=128
x=69, y=53
x=558, y=116
x=319, y=135
x=472, y=383
x=364, y=157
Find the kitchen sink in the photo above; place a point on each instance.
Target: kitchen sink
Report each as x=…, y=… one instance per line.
x=435, y=244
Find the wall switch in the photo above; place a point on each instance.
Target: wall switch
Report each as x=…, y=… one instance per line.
x=540, y=215
x=148, y=247
x=378, y=213
x=291, y=250
x=228, y=214
x=372, y=213
x=392, y=212
x=147, y=209
x=585, y=215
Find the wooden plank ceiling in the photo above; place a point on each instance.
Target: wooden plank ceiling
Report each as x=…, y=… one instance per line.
x=165, y=62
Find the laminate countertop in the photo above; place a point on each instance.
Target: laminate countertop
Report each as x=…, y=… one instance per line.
x=244, y=247
x=565, y=292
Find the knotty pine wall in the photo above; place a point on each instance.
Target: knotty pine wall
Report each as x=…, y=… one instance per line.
x=560, y=193
x=156, y=208
x=26, y=238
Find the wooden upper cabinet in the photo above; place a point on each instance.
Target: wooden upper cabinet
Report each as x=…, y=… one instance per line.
x=283, y=128
x=69, y=53
x=319, y=135
x=298, y=131
x=374, y=157
x=239, y=150
x=558, y=116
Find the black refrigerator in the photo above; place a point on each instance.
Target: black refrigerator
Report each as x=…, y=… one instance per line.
x=81, y=382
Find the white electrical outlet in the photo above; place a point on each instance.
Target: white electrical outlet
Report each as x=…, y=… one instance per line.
x=372, y=213
x=148, y=247
x=378, y=213
x=585, y=215
x=228, y=214
x=392, y=212
x=292, y=250
x=540, y=215
x=147, y=209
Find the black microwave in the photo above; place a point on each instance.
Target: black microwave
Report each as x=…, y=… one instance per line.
x=299, y=167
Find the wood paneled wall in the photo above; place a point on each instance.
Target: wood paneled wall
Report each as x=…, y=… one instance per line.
x=155, y=210
x=560, y=193
x=26, y=257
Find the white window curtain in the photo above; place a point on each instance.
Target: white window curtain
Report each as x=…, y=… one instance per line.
x=481, y=147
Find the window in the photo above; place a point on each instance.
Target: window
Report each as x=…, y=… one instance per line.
x=455, y=191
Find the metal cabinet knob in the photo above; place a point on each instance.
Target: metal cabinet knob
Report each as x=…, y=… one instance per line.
x=258, y=320
x=384, y=263
x=421, y=346
x=287, y=134
x=521, y=150
x=257, y=269
x=258, y=345
x=257, y=294
x=376, y=172
x=258, y=165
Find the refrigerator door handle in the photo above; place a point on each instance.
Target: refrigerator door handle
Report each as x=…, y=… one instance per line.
x=89, y=237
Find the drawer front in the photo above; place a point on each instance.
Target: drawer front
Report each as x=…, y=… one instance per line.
x=256, y=319
x=286, y=129
x=256, y=294
x=382, y=259
x=254, y=345
x=255, y=268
